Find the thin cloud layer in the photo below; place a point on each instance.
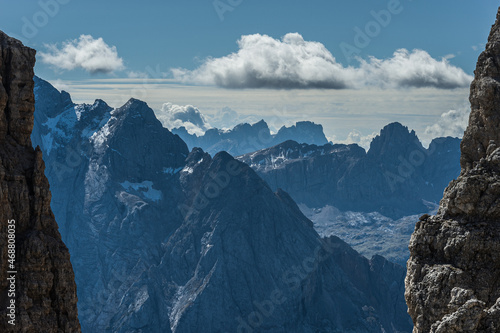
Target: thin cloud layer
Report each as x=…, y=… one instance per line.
x=293, y=63
x=92, y=55
x=188, y=116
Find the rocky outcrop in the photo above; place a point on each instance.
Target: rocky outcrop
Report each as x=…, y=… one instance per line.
x=38, y=279
x=453, y=280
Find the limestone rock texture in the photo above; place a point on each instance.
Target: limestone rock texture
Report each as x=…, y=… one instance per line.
x=453, y=278
x=45, y=289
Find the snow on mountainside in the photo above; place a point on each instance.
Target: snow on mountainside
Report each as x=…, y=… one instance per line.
x=163, y=240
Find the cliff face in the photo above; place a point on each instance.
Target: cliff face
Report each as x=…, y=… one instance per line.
x=453, y=280
x=41, y=286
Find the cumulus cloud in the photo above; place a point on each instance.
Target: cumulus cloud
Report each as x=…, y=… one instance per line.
x=452, y=123
x=292, y=62
x=92, y=55
x=413, y=69
x=188, y=116
x=358, y=138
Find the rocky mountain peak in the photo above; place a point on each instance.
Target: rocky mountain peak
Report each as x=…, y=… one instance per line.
x=251, y=129
x=484, y=122
x=53, y=101
x=16, y=92
x=97, y=111
x=44, y=297
x=394, y=139
x=138, y=144
x=302, y=132
x=454, y=268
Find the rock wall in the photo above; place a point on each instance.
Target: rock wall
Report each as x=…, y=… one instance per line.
x=37, y=283
x=453, y=279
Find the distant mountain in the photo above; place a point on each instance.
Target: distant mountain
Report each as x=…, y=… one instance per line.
x=365, y=198
x=167, y=240
x=394, y=178
x=246, y=138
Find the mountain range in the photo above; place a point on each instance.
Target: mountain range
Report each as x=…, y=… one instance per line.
x=163, y=239
x=246, y=138
x=395, y=177
x=369, y=199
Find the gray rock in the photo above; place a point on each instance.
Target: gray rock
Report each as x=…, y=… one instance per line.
x=454, y=268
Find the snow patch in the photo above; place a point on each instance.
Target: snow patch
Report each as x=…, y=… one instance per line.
x=100, y=137
x=145, y=188
x=188, y=170
x=141, y=297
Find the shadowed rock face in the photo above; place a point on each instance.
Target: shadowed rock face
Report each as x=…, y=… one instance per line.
x=163, y=240
x=45, y=290
x=453, y=280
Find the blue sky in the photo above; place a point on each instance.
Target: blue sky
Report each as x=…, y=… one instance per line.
x=165, y=35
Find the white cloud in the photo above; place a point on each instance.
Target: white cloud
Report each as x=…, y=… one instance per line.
x=413, y=69
x=292, y=62
x=452, y=123
x=356, y=137
x=188, y=116
x=92, y=55
x=227, y=118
